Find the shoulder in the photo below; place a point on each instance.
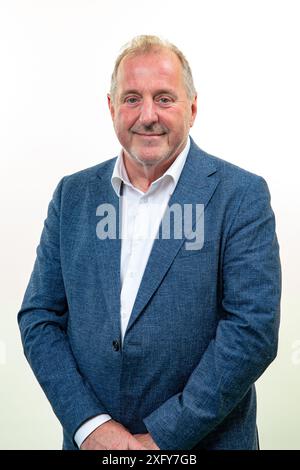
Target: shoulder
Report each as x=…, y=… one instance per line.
x=73, y=189
x=232, y=177
x=79, y=181
x=88, y=174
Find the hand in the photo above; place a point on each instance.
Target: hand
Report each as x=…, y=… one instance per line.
x=147, y=441
x=111, y=436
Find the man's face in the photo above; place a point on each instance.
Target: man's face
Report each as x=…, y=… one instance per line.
x=151, y=111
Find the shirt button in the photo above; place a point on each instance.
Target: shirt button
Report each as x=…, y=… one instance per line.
x=116, y=345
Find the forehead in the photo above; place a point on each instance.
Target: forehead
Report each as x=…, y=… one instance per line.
x=160, y=68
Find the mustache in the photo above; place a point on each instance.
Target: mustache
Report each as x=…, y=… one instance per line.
x=151, y=129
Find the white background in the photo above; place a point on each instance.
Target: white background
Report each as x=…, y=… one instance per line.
x=56, y=58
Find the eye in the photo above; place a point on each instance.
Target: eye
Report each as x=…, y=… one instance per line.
x=131, y=100
x=164, y=100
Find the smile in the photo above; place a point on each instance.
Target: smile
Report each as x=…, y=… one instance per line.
x=150, y=135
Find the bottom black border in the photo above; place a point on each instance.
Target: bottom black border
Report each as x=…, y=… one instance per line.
x=132, y=459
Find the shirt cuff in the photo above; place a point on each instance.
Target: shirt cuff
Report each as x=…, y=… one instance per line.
x=88, y=427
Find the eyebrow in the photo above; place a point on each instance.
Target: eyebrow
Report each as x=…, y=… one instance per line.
x=162, y=91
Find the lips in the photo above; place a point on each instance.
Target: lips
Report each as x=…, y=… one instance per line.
x=149, y=135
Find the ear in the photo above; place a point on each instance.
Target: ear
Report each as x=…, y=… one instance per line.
x=110, y=105
x=193, y=110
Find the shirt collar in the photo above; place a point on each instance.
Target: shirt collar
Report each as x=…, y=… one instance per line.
x=120, y=176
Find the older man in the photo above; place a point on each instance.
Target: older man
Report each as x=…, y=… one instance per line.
x=146, y=341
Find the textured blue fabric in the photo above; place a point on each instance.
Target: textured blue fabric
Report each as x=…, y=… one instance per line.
x=203, y=328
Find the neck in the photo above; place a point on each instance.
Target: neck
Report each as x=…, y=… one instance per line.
x=142, y=175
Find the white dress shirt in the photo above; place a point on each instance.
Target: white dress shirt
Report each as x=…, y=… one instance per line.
x=141, y=217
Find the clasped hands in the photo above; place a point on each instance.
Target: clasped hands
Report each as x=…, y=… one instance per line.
x=113, y=436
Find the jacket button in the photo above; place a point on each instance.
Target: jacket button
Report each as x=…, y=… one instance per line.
x=116, y=345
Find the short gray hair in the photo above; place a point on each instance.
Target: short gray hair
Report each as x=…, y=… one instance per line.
x=144, y=44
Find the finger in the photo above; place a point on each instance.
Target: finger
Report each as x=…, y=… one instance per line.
x=134, y=444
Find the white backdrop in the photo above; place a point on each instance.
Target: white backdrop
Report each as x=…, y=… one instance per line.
x=56, y=58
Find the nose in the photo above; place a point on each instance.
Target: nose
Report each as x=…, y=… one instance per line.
x=148, y=114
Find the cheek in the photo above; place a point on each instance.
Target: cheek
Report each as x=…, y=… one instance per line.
x=175, y=120
x=126, y=118
x=120, y=125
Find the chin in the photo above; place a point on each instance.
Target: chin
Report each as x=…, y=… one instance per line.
x=150, y=160
x=147, y=157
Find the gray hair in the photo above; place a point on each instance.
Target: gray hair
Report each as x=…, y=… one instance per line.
x=144, y=44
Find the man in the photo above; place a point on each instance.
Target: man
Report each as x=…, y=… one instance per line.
x=144, y=342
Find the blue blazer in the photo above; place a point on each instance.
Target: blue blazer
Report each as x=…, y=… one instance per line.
x=203, y=328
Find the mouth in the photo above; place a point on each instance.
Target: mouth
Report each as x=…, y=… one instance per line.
x=149, y=135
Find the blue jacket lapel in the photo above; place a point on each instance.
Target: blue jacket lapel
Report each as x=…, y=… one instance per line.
x=107, y=251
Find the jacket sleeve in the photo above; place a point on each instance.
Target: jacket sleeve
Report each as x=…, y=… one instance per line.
x=43, y=320
x=246, y=338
